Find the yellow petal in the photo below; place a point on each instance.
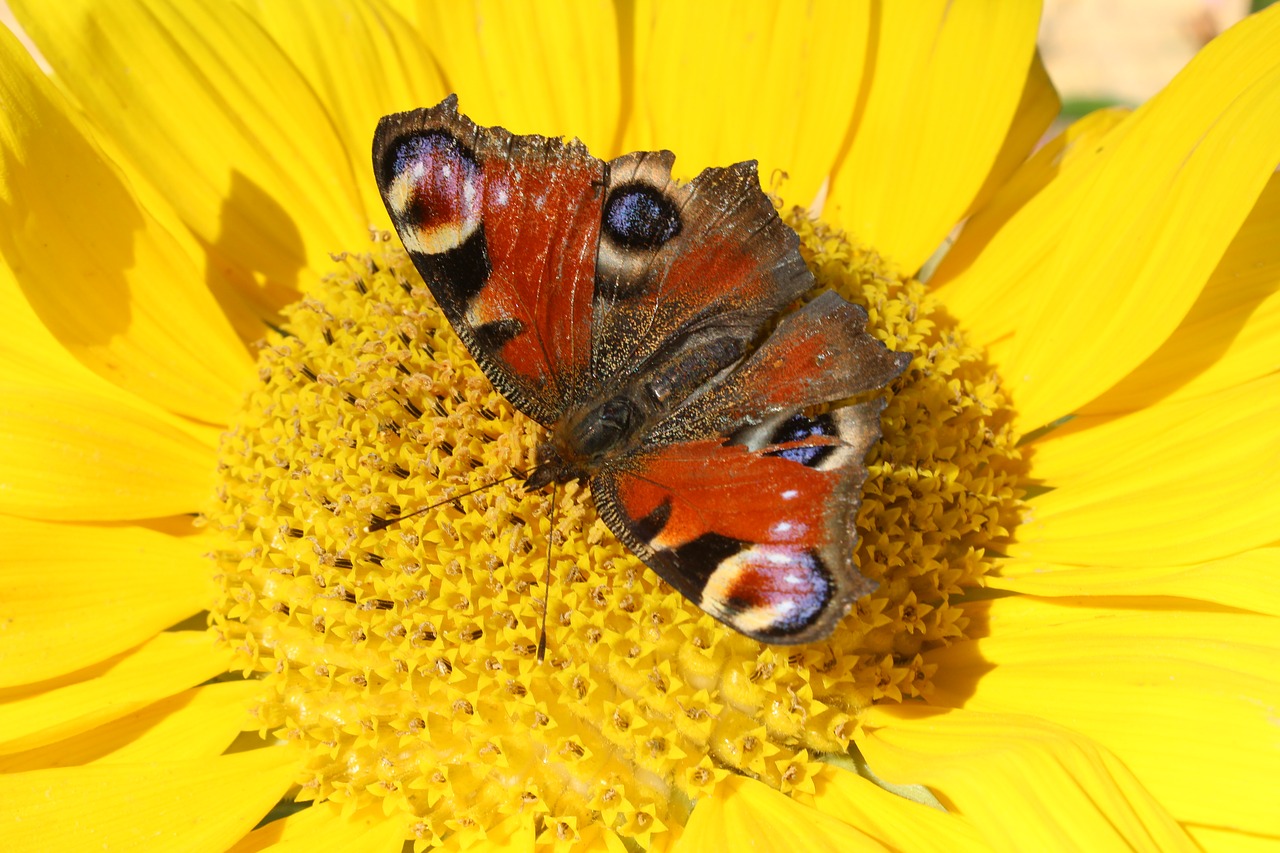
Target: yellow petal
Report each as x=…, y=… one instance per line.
x=205, y=804
x=1214, y=839
x=364, y=61
x=30, y=351
x=116, y=587
x=744, y=814
x=779, y=86
x=1245, y=581
x=80, y=447
x=407, y=9
x=1037, y=108
x=946, y=83
x=39, y=714
x=1179, y=483
x=1109, y=265
x=595, y=837
x=548, y=68
x=991, y=309
x=76, y=450
x=1186, y=698
x=200, y=722
x=323, y=827
x=202, y=99
x=898, y=822
x=517, y=832
x=1024, y=783
x=119, y=289
x=1229, y=336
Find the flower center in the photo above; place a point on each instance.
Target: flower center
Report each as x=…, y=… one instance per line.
x=404, y=657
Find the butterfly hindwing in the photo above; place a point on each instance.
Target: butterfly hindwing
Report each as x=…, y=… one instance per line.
x=744, y=503
x=757, y=529
x=503, y=229
x=819, y=353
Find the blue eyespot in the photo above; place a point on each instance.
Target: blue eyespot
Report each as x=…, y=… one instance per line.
x=436, y=152
x=637, y=216
x=798, y=428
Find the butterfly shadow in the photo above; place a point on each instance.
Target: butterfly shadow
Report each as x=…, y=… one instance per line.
x=255, y=266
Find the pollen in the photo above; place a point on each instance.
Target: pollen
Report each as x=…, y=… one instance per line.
x=402, y=654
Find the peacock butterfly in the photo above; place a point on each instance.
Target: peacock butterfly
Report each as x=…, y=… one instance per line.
x=643, y=322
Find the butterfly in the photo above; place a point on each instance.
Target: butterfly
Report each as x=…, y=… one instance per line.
x=643, y=322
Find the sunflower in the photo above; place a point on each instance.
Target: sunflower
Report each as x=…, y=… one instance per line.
x=218, y=368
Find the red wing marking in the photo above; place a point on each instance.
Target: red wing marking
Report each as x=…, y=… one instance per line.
x=542, y=222
x=730, y=491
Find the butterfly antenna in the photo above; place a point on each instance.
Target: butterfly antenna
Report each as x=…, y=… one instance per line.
x=383, y=523
x=546, y=580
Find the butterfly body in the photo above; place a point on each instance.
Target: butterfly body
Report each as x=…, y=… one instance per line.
x=642, y=322
x=609, y=426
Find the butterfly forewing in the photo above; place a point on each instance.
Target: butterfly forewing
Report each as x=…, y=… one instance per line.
x=704, y=264
x=503, y=230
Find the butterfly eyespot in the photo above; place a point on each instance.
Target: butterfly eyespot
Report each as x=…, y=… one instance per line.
x=637, y=216
x=434, y=191
x=799, y=427
x=769, y=589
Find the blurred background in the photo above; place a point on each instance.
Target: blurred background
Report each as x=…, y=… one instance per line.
x=1108, y=52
